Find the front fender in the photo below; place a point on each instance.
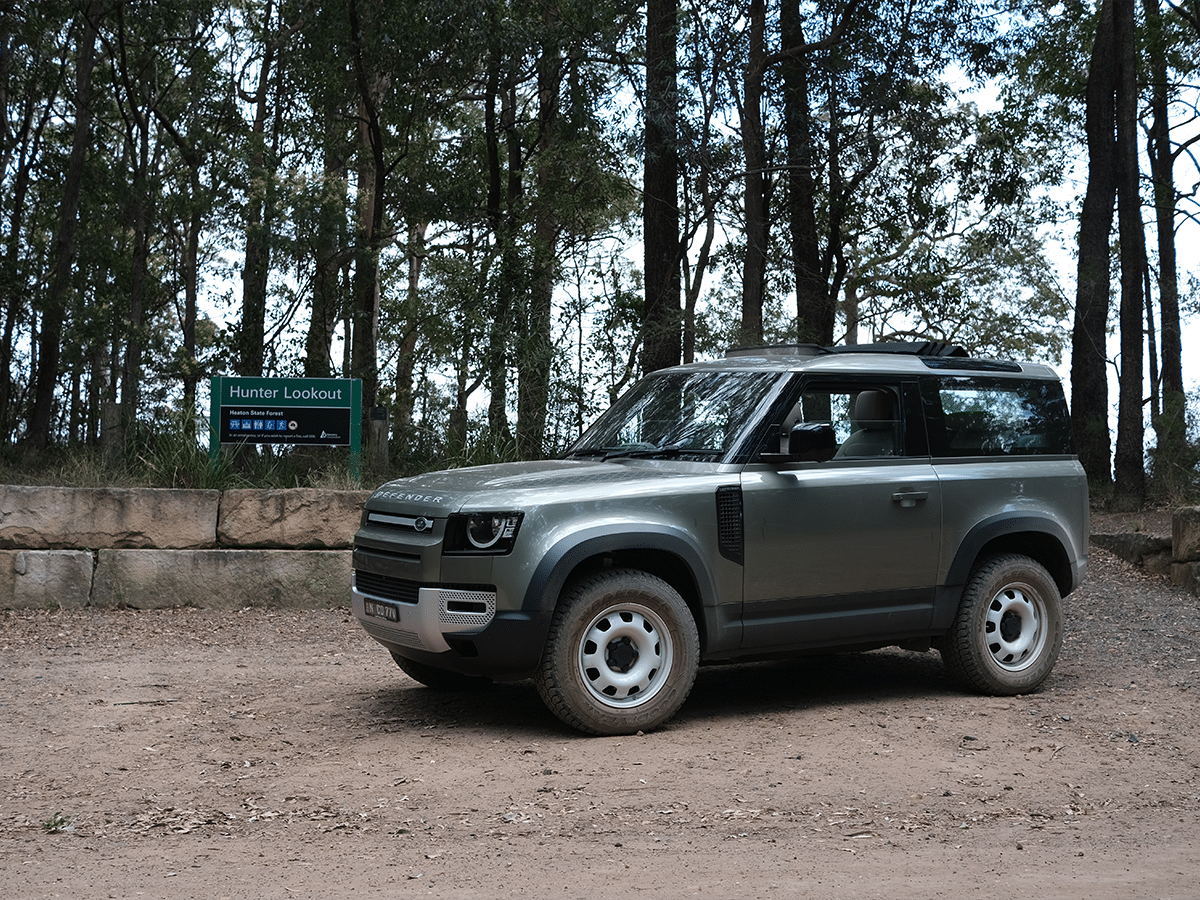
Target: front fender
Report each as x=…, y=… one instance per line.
x=564, y=557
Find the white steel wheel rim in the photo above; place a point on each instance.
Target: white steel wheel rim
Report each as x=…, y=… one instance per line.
x=625, y=655
x=1014, y=628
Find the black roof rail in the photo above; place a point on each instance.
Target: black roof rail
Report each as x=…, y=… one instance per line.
x=935, y=354
x=777, y=350
x=908, y=348
x=911, y=348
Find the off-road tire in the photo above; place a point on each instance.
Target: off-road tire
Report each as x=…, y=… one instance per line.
x=621, y=655
x=1007, y=633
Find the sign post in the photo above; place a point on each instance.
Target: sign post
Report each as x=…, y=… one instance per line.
x=321, y=411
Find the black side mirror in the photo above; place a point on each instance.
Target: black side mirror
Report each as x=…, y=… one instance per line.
x=811, y=442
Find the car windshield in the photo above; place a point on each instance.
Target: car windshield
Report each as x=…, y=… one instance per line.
x=690, y=415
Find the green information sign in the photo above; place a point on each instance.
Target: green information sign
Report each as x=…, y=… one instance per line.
x=322, y=411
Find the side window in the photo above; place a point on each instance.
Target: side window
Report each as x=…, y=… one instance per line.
x=865, y=423
x=997, y=417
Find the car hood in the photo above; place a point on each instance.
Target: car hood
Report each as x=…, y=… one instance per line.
x=515, y=486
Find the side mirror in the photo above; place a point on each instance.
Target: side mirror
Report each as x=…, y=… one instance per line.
x=811, y=442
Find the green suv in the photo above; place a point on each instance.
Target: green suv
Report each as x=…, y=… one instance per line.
x=780, y=501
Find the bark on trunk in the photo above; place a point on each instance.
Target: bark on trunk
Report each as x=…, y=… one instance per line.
x=1089, y=376
x=1130, y=469
x=661, y=336
x=815, y=305
x=54, y=314
x=754, y=267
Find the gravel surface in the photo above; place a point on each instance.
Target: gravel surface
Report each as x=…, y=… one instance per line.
x=280, y=754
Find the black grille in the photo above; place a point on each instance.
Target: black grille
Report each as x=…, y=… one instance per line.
x=729, y=522
x=401, y=590
x=387, y=588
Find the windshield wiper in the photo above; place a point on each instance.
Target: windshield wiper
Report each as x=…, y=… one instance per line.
x=666, y=451
x=590, y=451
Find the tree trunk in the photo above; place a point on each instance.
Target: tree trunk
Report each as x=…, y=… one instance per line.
x=372, y=180
x=256, y=261
x=661, y=337
x=1170, y=426
x=406, y=357
x=328, y=256
x=54, y=314
x=139, y=279
x=815, y=305
x=754, y=267
x=191, y=281
x=503, y=196
x=537, y=351
x=1089, y=375
x=1130, y=469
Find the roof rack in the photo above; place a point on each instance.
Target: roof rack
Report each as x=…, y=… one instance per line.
x=909, y=348
x=777, y=350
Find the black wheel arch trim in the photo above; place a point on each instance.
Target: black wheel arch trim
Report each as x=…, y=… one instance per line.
x=557, y=564
x=1067, y=571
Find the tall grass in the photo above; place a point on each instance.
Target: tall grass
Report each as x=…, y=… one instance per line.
x=170, y=455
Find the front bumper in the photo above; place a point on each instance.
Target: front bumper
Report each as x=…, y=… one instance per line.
x=425, y=621
x=457, y=627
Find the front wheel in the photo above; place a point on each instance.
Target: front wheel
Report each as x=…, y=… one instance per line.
x=1008, y=631
x=621, y=655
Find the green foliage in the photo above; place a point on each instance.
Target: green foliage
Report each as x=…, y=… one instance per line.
x=509, y=140
x=58, y=824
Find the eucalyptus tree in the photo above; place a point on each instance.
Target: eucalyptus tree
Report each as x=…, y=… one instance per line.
x=1172, y=50
x=1129, y=460
x=64, y=248
x=853, y=136
x=38, y=45
x=1067, y=72
x=660, y=232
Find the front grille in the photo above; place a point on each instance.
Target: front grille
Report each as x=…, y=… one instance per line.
x=470, y=598
x=387, y=588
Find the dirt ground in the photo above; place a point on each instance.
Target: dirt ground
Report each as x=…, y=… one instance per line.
x=280, y=754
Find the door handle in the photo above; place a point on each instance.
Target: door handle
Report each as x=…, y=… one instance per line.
x=909, y=498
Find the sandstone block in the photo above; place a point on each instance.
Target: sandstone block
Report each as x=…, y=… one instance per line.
x=1187, y=576
x=50, y=518
x=1132, y=546
x=222, y=579
x=1185, y=534
x=45, y=579
x=297, y=517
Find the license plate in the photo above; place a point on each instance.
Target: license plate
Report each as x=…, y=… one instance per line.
x=377, y=609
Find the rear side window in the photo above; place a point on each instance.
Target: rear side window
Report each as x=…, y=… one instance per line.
x=996, y=417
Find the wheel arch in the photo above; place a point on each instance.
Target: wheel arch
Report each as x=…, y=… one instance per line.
x=1037, y=537
x=658, y=551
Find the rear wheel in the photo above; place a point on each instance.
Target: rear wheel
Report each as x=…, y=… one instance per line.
x=621, y=655
x=1008, y=631
x=439, y=679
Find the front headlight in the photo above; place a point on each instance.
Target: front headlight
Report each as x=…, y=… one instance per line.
x=484, y=532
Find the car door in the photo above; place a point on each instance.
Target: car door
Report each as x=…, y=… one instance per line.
x=844, y=550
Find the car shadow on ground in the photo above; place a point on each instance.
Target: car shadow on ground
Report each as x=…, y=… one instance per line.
x=721, y=692
x=808, y=682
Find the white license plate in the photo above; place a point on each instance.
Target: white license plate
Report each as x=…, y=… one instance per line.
x=377, y=609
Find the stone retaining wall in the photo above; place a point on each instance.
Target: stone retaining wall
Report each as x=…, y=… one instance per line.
x=1176, y=556
x=146, y=548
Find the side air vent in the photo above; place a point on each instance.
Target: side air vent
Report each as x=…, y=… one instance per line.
x=729, y=522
